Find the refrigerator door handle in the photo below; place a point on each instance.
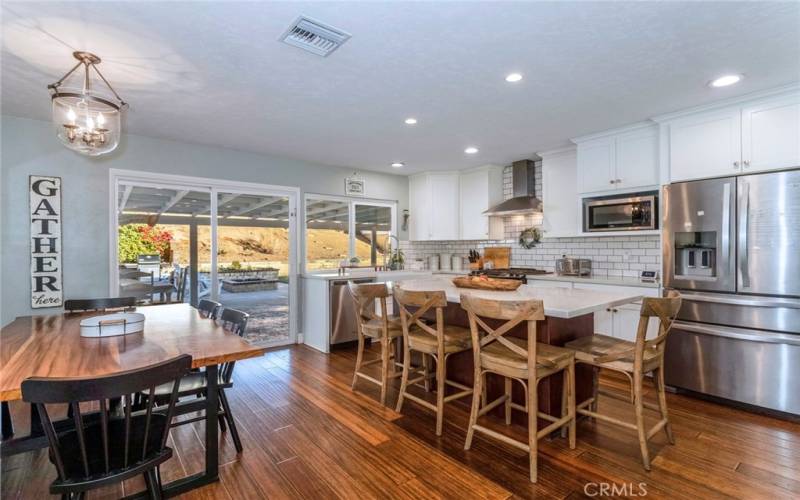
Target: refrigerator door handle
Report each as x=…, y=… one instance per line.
x=739, y=333
x=743, y=300
x=744, y=267
x=726, y=222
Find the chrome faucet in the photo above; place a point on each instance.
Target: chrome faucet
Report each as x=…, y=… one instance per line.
x=388, y=248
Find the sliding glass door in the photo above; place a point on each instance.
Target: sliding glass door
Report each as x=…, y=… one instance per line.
x=254, y=261
x=180, y=239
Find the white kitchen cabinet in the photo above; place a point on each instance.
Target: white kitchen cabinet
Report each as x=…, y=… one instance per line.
x=434, y=206
x=450, y=205
x=622, y=321
x=559, y=194
x=749, y=137
x=596, y=159
x=705, y=145
x=444, y=206
x=771, y=135
x=621, y=159
x=480, y=189
x=637, y=159
x=419, y=202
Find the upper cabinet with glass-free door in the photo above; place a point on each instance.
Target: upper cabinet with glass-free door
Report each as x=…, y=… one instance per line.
x=434, y=203
x=618, y=159
x=744, y=138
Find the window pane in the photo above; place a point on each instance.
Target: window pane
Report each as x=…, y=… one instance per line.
x=373, y=227
x=327, y=233
x=164, y=231
x=253, y=249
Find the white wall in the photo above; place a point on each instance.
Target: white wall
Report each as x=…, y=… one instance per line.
x=29, y=147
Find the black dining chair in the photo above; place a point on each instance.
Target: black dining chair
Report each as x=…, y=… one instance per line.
x=102, y=304
x=101, y=447
x=194, y=383
x=209, y=308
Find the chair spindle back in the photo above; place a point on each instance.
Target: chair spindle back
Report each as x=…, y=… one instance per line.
x=114, y=458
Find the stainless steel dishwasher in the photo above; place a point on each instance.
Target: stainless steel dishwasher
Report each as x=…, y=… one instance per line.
x=343, y=315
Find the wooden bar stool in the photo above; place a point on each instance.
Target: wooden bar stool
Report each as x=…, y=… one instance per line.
x=634, y=359
x=525, y=361
x=439, y=343
x=380, y=328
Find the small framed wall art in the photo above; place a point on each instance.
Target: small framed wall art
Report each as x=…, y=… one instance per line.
x=354, y=186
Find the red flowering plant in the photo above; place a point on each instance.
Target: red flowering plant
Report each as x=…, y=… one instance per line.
x=137, y=239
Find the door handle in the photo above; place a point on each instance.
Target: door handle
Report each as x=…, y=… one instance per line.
x=726, y=221
x=744, y=268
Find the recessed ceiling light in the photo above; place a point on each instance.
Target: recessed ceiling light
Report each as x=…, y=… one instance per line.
x=471, y=150
x=411, y=121
x=513, y=77
x=725, y=80
x=398, y=164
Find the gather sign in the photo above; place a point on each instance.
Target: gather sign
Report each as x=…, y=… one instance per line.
x=45, y=210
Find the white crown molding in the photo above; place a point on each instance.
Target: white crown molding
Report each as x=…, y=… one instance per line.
x=558, y=152
x=781, y=91
x=619, y=130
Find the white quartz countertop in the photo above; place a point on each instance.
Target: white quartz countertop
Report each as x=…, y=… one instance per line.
x=558, y=302
x=599, y=280
x=378, y=275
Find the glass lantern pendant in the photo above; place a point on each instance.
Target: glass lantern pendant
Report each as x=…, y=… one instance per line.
x=86, y=120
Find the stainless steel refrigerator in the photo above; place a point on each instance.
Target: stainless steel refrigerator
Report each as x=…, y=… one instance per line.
x=732, y=247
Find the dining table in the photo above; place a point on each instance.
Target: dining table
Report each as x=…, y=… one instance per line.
x=51, y=346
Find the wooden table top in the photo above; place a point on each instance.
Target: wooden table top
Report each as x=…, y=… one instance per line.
x=51, y=346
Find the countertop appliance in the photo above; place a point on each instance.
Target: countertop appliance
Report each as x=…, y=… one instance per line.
x=571, y=266
x=343, y=315
x=732, y=247
x=510, y=273
x=629, y=212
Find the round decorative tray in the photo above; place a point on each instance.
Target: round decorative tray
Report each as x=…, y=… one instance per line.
x=109, y=325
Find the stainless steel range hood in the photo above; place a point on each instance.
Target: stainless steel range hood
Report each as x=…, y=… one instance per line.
x=524, y=200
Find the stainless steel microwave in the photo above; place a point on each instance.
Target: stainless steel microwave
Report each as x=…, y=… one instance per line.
x=630, y=212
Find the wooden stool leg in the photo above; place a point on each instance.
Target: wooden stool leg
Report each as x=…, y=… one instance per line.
x=571, y=404
x=533, y=440
x=441, y=374
x=404, y=379
x=658, y=378
x=392, y=355
x=477, y=389
x=359, y=359
x=639, y=409
x=427, y=370
x=564, y=399
x=595, y=388
x=384, y=368
x=508, y=382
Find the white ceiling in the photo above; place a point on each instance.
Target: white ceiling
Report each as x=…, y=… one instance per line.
x=215, y=73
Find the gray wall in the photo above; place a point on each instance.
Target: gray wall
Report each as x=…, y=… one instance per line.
x=30, y=147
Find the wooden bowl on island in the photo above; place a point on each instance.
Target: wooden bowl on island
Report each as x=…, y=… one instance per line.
x=486, y=283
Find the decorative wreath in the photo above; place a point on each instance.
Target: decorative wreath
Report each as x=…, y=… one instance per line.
x=528, y=238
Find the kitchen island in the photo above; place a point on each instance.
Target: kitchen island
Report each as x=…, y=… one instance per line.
x=569, y=314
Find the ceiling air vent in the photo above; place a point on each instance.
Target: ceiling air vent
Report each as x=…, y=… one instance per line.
x=314, y=36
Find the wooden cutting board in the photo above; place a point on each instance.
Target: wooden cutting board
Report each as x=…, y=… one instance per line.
x=500, y=256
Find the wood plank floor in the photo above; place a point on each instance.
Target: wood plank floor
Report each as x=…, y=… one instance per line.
x=307, y=435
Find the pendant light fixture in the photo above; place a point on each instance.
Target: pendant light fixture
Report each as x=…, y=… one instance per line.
x=86, y=120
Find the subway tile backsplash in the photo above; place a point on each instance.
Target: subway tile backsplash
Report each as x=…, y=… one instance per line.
x=612, y=256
